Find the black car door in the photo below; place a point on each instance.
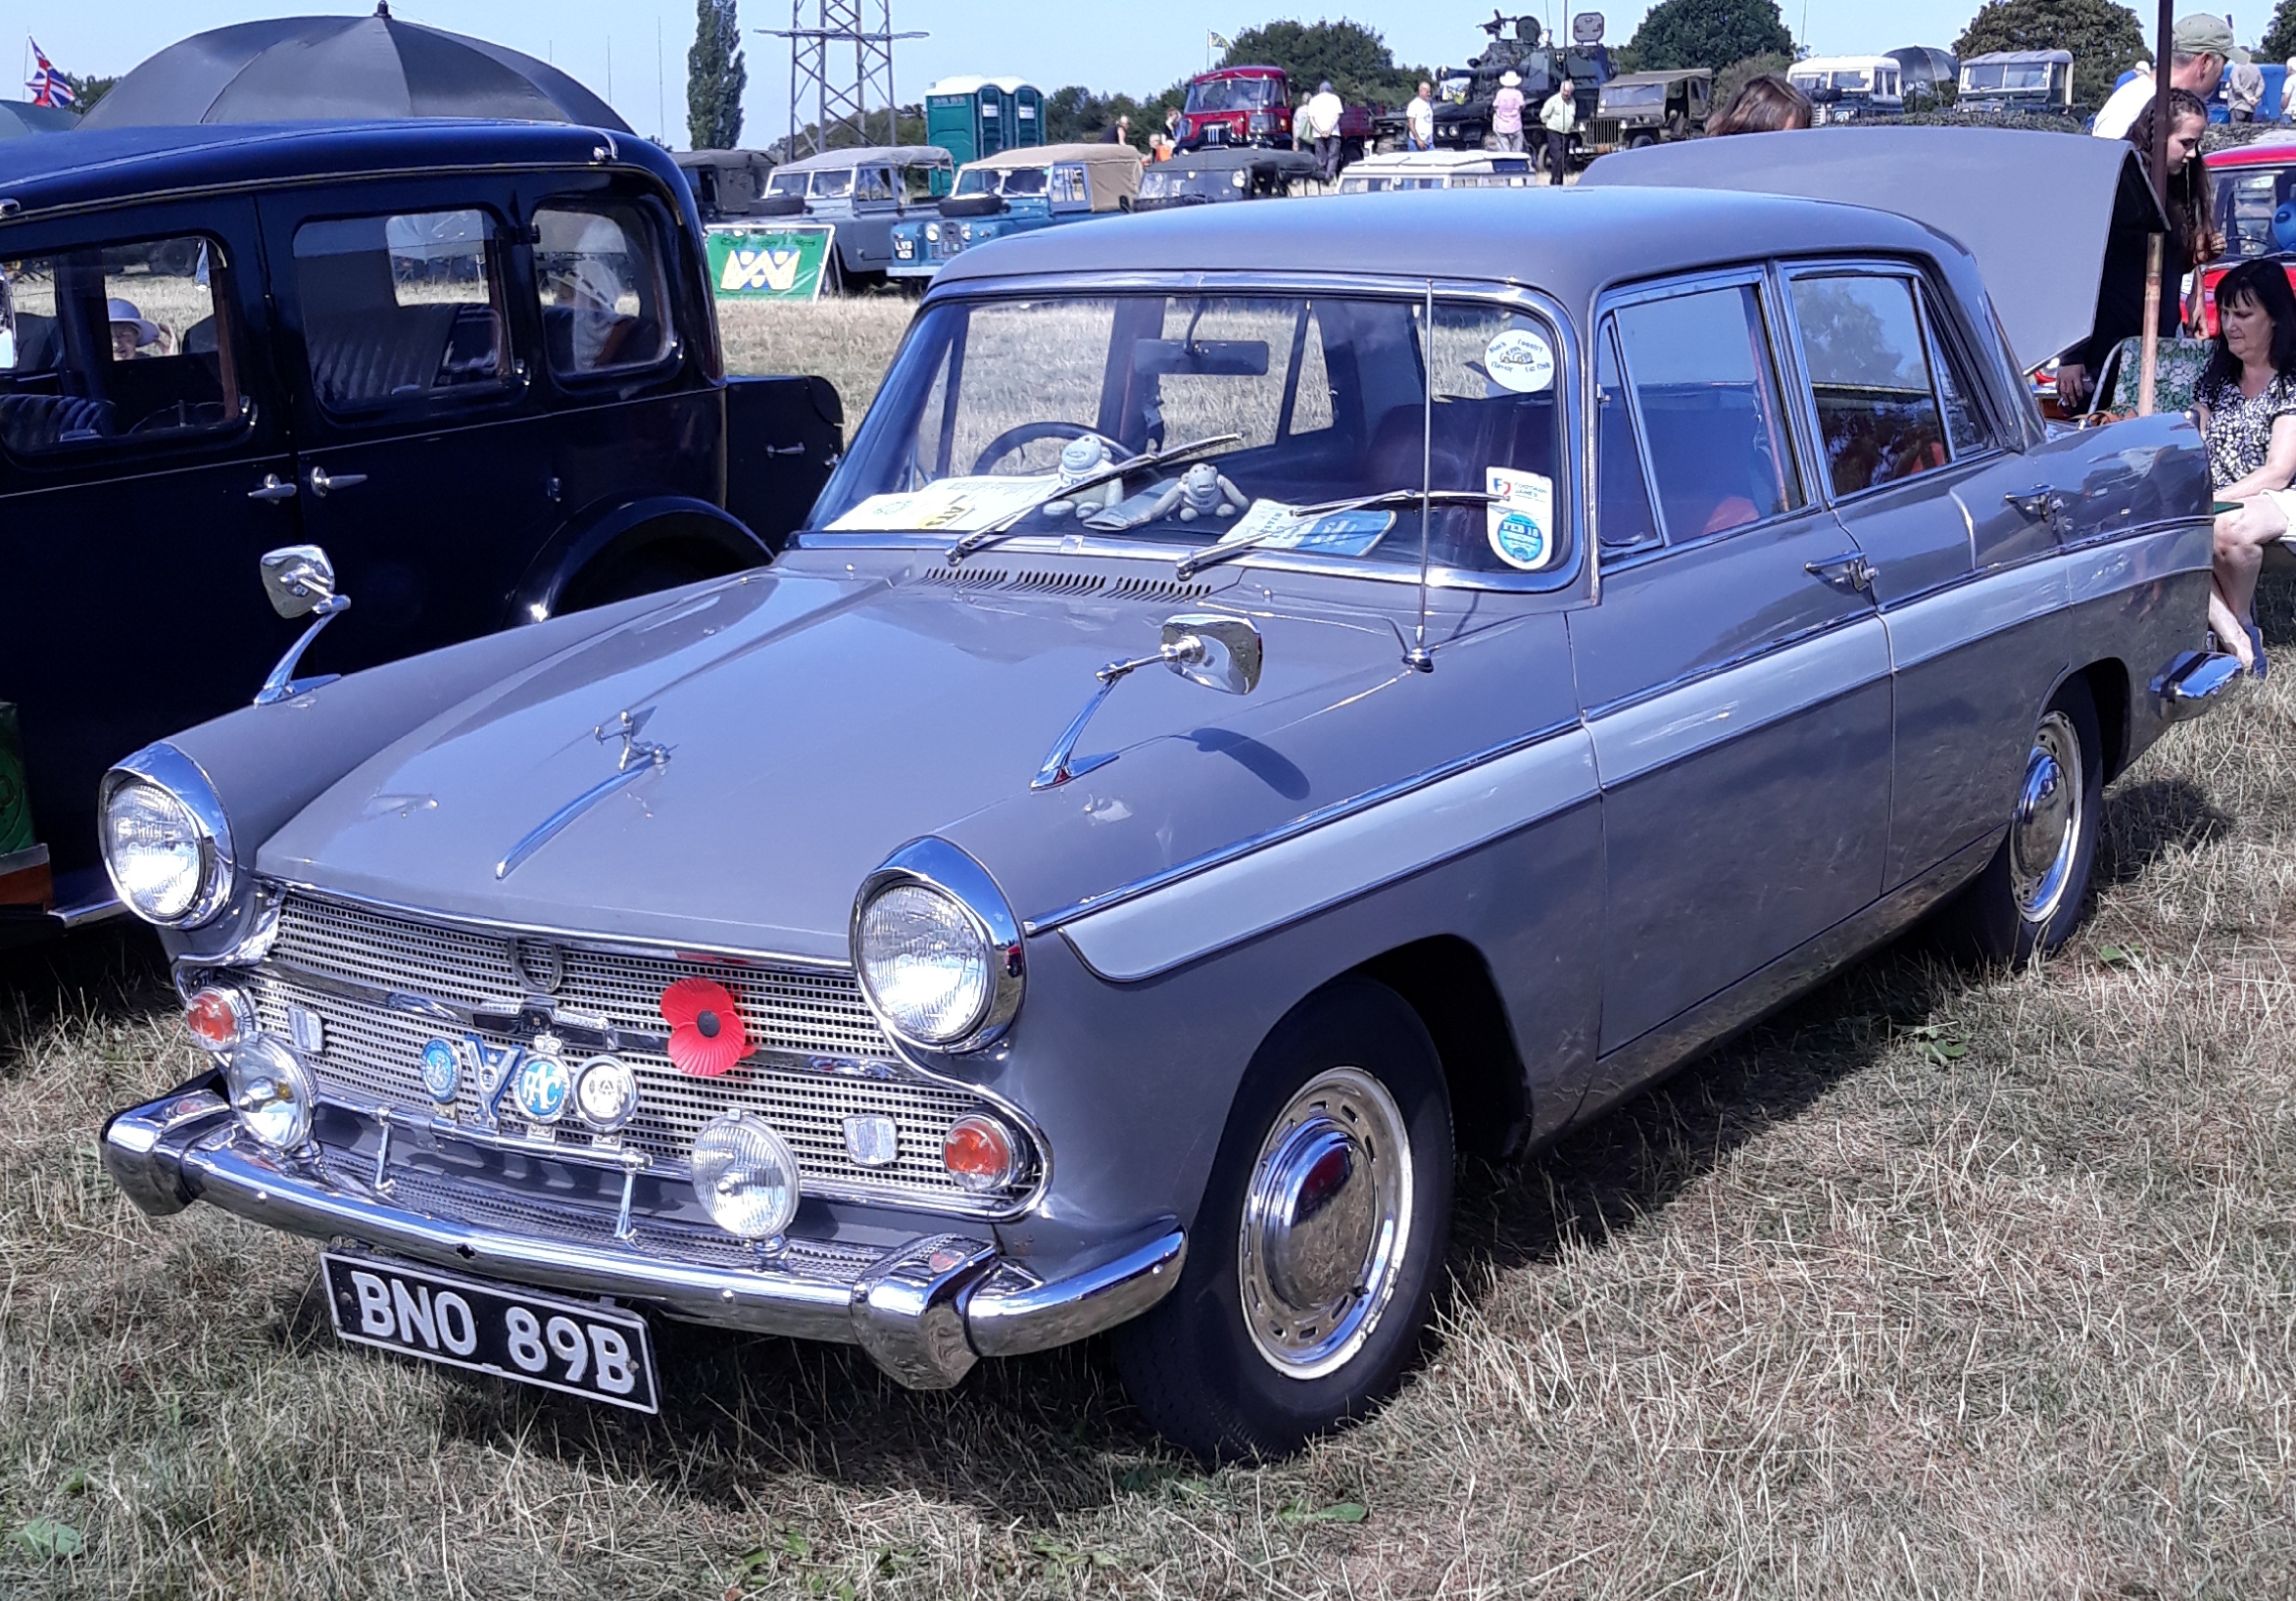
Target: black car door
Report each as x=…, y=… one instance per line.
x=424, y=448
x=143, y=464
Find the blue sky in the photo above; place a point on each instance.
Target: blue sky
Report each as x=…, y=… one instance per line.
x=610, y=44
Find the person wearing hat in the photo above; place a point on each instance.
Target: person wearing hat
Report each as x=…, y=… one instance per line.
x=1558, y=116
x=1323, y=112
x=1506, y=114
x=2243, y=87
x=133, y=334
x=2203, y=44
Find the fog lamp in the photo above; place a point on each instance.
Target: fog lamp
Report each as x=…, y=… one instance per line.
x=606, y=1093
x=745, y=1176
x=931, y=230
x=269, y=1092
x=219, y=1018
x=980, y=1153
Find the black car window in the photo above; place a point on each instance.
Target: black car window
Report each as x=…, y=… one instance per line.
x=605, y=307
x=401, y=309
x=116, y=346
x=1706, y=400
x=1623, y=519
x=1879, y=421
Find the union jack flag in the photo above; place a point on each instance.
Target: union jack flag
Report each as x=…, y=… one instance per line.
x=46, y=83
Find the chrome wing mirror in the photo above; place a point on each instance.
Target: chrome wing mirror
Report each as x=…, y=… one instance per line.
x=299, y=582
x=1221, y=653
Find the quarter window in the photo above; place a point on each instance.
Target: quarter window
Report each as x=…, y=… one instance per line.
x=603, y=303
x=119, y=345
x=1706, y=399
x=1878, y=421
x=1623, y=519
x=401, y=308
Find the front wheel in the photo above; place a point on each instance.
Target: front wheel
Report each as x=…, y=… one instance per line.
x=2028, y=899
x=1313, y=1264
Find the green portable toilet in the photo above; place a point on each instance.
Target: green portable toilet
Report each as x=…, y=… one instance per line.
x=1024, y=112
x=967, y=117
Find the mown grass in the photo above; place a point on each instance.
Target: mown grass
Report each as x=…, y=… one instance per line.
x=1943, y=1282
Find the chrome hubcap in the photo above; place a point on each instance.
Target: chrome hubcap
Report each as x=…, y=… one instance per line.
x=2045, y=832
x=1325, y=1222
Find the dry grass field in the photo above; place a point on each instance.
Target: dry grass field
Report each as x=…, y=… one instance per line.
x=1943, y=1282
x=848, y=342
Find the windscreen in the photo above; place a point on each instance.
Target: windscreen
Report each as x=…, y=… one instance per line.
x=1633, y=94
x=2255, y=211
x=993, y=406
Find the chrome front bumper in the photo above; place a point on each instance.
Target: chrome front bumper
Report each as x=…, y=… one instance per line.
x=925, y=1309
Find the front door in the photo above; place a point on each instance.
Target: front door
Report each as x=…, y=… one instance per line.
x=143, y=454
x=1734, y=674
x=423, y=449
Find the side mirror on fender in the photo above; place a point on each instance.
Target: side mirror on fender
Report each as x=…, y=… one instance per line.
x=299, y=582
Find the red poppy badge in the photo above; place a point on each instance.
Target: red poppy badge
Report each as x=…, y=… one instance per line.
x=705, y=1033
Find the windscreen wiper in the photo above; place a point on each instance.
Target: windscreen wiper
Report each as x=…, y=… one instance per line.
x=1405, y=499
x=1115, y=472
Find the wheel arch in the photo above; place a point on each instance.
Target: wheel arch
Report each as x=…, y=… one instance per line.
x=590, y=543
x=1446, y=981
x=2108, y=691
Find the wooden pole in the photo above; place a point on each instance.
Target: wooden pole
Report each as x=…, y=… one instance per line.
x=2163, y=66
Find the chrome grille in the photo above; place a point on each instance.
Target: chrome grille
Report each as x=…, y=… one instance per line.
x=805, y=1093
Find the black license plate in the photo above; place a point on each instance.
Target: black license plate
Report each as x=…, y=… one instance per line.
x=579, y=1347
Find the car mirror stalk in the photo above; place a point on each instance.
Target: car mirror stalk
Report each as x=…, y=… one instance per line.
x=1221, y=653
x=300, y=581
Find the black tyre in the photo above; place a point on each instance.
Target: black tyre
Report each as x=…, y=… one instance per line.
x=2028, y=899
x=1314, y=1261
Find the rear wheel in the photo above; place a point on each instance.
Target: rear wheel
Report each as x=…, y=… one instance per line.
x=1313, y=1264
x=2028, y=899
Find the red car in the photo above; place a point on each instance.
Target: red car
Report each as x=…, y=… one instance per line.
x=2256, y=212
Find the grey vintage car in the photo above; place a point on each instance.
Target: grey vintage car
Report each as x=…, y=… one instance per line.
x=1247, y=721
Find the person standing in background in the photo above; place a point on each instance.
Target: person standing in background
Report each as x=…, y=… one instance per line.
x=1419, y=118
x=1506, y=114
x=2243, y=87
x=2288, y=92
x=2203, y=43
x=1324, y=112
x=1559, y=115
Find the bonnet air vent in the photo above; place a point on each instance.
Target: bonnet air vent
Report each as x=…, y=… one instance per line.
x=1071, y=585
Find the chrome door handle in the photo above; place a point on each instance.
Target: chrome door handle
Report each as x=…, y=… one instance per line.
x=323, y=482
x=785, y=450
x=1852, y=574
x=2040, y=503
x=271, y=489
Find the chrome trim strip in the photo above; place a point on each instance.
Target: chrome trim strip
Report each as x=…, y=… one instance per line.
x=1012, y=1316
x=103, y=908
x=1047, y=922
x=1336, y=862
x=1646, y=735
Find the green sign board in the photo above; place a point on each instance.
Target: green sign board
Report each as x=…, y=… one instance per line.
x=769, y=261
x=15, y=807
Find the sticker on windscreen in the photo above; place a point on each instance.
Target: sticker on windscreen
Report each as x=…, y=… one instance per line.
x=1520, y=519
x=1520, y=360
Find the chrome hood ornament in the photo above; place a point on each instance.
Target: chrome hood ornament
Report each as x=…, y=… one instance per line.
x=639, y=757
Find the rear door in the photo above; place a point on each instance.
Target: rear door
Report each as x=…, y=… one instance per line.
x=143, y=451
x=424, y=446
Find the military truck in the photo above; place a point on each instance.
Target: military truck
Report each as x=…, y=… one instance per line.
x=1519, y=45
x=1640, y=109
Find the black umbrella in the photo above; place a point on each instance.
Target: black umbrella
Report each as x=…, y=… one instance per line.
x=297, y=68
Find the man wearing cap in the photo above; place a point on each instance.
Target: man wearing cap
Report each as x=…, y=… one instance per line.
x=1324, y=112
x=1506, y=114
x=2203, y=44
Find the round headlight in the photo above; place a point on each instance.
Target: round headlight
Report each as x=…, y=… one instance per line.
x=270, y=1093
x=931, y=230
x=745, y=1176
x=606, y=1093
x=926, y=963
x=165, y=844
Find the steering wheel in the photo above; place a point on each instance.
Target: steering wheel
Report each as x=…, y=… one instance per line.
x=1028, y=434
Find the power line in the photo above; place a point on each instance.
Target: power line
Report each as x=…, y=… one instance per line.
x=840, y=102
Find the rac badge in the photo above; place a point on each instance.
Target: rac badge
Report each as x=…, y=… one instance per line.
x=543, y=1089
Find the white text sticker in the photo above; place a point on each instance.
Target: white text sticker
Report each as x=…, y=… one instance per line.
x=1520, y=521
x=1520, y=360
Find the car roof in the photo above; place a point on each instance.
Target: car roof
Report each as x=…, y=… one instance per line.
x=2005, y=56
x=1428, y=160
x=838, y=161
x=1022, y=155
x=1229, y=158
x=1573, y=243
x=1841, y=64
x=90, y=166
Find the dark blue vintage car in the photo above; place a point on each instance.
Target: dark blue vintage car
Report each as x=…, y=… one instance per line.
x=478, y=361
x=1248, y=720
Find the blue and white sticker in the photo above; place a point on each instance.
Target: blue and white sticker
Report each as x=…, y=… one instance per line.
x=544, y=1086
x=1520, y=360
x=442, y=1070
x=1520, y=519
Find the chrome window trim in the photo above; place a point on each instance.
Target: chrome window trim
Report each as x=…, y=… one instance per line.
x=1703, y=280
x=169, y=770
x=1048, y=922
x=1606, y=328
x=936, y=864
x=1509, y=293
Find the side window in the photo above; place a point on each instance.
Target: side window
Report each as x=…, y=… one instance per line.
x=1070, y=186
x=1877, y=415
x=1965, y=427
x=401, y=308
x=917, y=185
x=120, y=344
x=605, y=306
x=873, y=183
x=1706, y=400
x=1623, y=519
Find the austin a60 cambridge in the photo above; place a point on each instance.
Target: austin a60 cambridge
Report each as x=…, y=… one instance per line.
x=1245, y=723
